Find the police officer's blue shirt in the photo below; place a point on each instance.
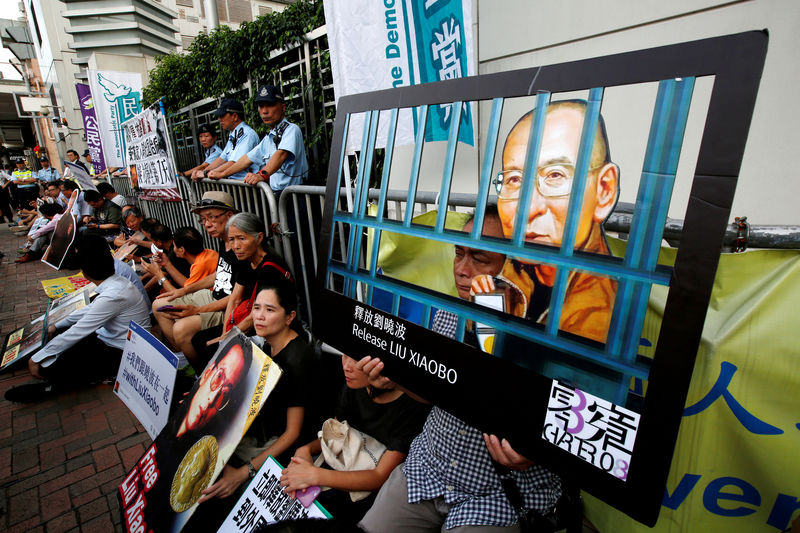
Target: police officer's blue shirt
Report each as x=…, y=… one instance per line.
x=290, y=139
x=48, y=174
x=212, y=154
x=241, y=140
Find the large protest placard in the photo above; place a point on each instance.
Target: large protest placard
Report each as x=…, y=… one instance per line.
x=161, y=492
x=399, y=44
x=597, y=395
x=116, y=97
x=61, y=242
x=264, y=502
x=146, y=378
x=150, y=167
x=91, y=127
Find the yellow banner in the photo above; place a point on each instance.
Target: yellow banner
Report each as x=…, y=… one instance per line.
x=736, y=465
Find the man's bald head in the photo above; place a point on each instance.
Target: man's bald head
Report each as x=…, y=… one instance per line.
x=601, y=153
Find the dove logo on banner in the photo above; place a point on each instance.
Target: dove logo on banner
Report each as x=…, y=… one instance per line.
x=117, y=98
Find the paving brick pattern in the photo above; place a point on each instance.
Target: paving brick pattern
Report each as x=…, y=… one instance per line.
x=61, y=460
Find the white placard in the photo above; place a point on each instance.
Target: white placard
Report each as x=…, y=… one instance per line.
x=589, y=427
x=264, y=502
x=147, y=154
x=146, y=378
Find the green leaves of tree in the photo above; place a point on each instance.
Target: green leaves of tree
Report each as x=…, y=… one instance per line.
x=221, y=62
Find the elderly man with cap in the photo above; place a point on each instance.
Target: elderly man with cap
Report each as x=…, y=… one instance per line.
x=280, y=157
x=207, y=136
x=241, y=140
x=48, y=173
x=183, y=312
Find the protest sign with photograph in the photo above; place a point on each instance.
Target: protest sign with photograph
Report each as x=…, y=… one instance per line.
x=264, y=502
x=598, y=391
x=148, y=157
x=58, y=313
x=63, y=237
x=128, y=247
x=161, y=492
x=146, y=378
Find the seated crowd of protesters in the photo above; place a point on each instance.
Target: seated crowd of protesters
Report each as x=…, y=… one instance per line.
x=421, y=468
x=95, y=212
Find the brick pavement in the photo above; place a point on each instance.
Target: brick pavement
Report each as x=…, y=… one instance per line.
x=61, y=460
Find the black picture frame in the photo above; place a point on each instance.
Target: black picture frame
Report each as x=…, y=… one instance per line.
x=496, y=405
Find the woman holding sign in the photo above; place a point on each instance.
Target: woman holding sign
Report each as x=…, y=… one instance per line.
x=280, y=423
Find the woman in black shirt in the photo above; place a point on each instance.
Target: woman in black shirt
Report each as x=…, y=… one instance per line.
x=279, y=424
x=388, y=415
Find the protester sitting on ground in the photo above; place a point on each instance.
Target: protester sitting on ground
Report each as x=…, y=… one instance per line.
x=87, y=345
x=258, y=264
x=131, y=223
x=48, y=173
x=109, y=193
x=241, y=140
x=106, y=216
x=161, y=237
x=207, y=136
x=387, y=415
x=280, y=157
x=52, y=191
x=81, y=209
x=39, y=236
x=282, y=421
x=188, y=245
x=201, y=306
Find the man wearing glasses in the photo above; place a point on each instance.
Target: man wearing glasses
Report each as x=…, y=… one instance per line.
x=589, y=299
x=201, y=305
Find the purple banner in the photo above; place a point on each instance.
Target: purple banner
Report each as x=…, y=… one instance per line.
x=91, y=127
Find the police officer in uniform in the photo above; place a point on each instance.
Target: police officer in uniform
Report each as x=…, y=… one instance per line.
x=25, y=182
x=207, y=136
x=48, y=173
x=241, y=140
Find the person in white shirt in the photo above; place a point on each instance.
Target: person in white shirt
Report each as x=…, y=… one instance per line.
x=109, y=193
x=91, y=348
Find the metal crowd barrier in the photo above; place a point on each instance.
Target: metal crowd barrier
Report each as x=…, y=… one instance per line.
x=257, y=199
